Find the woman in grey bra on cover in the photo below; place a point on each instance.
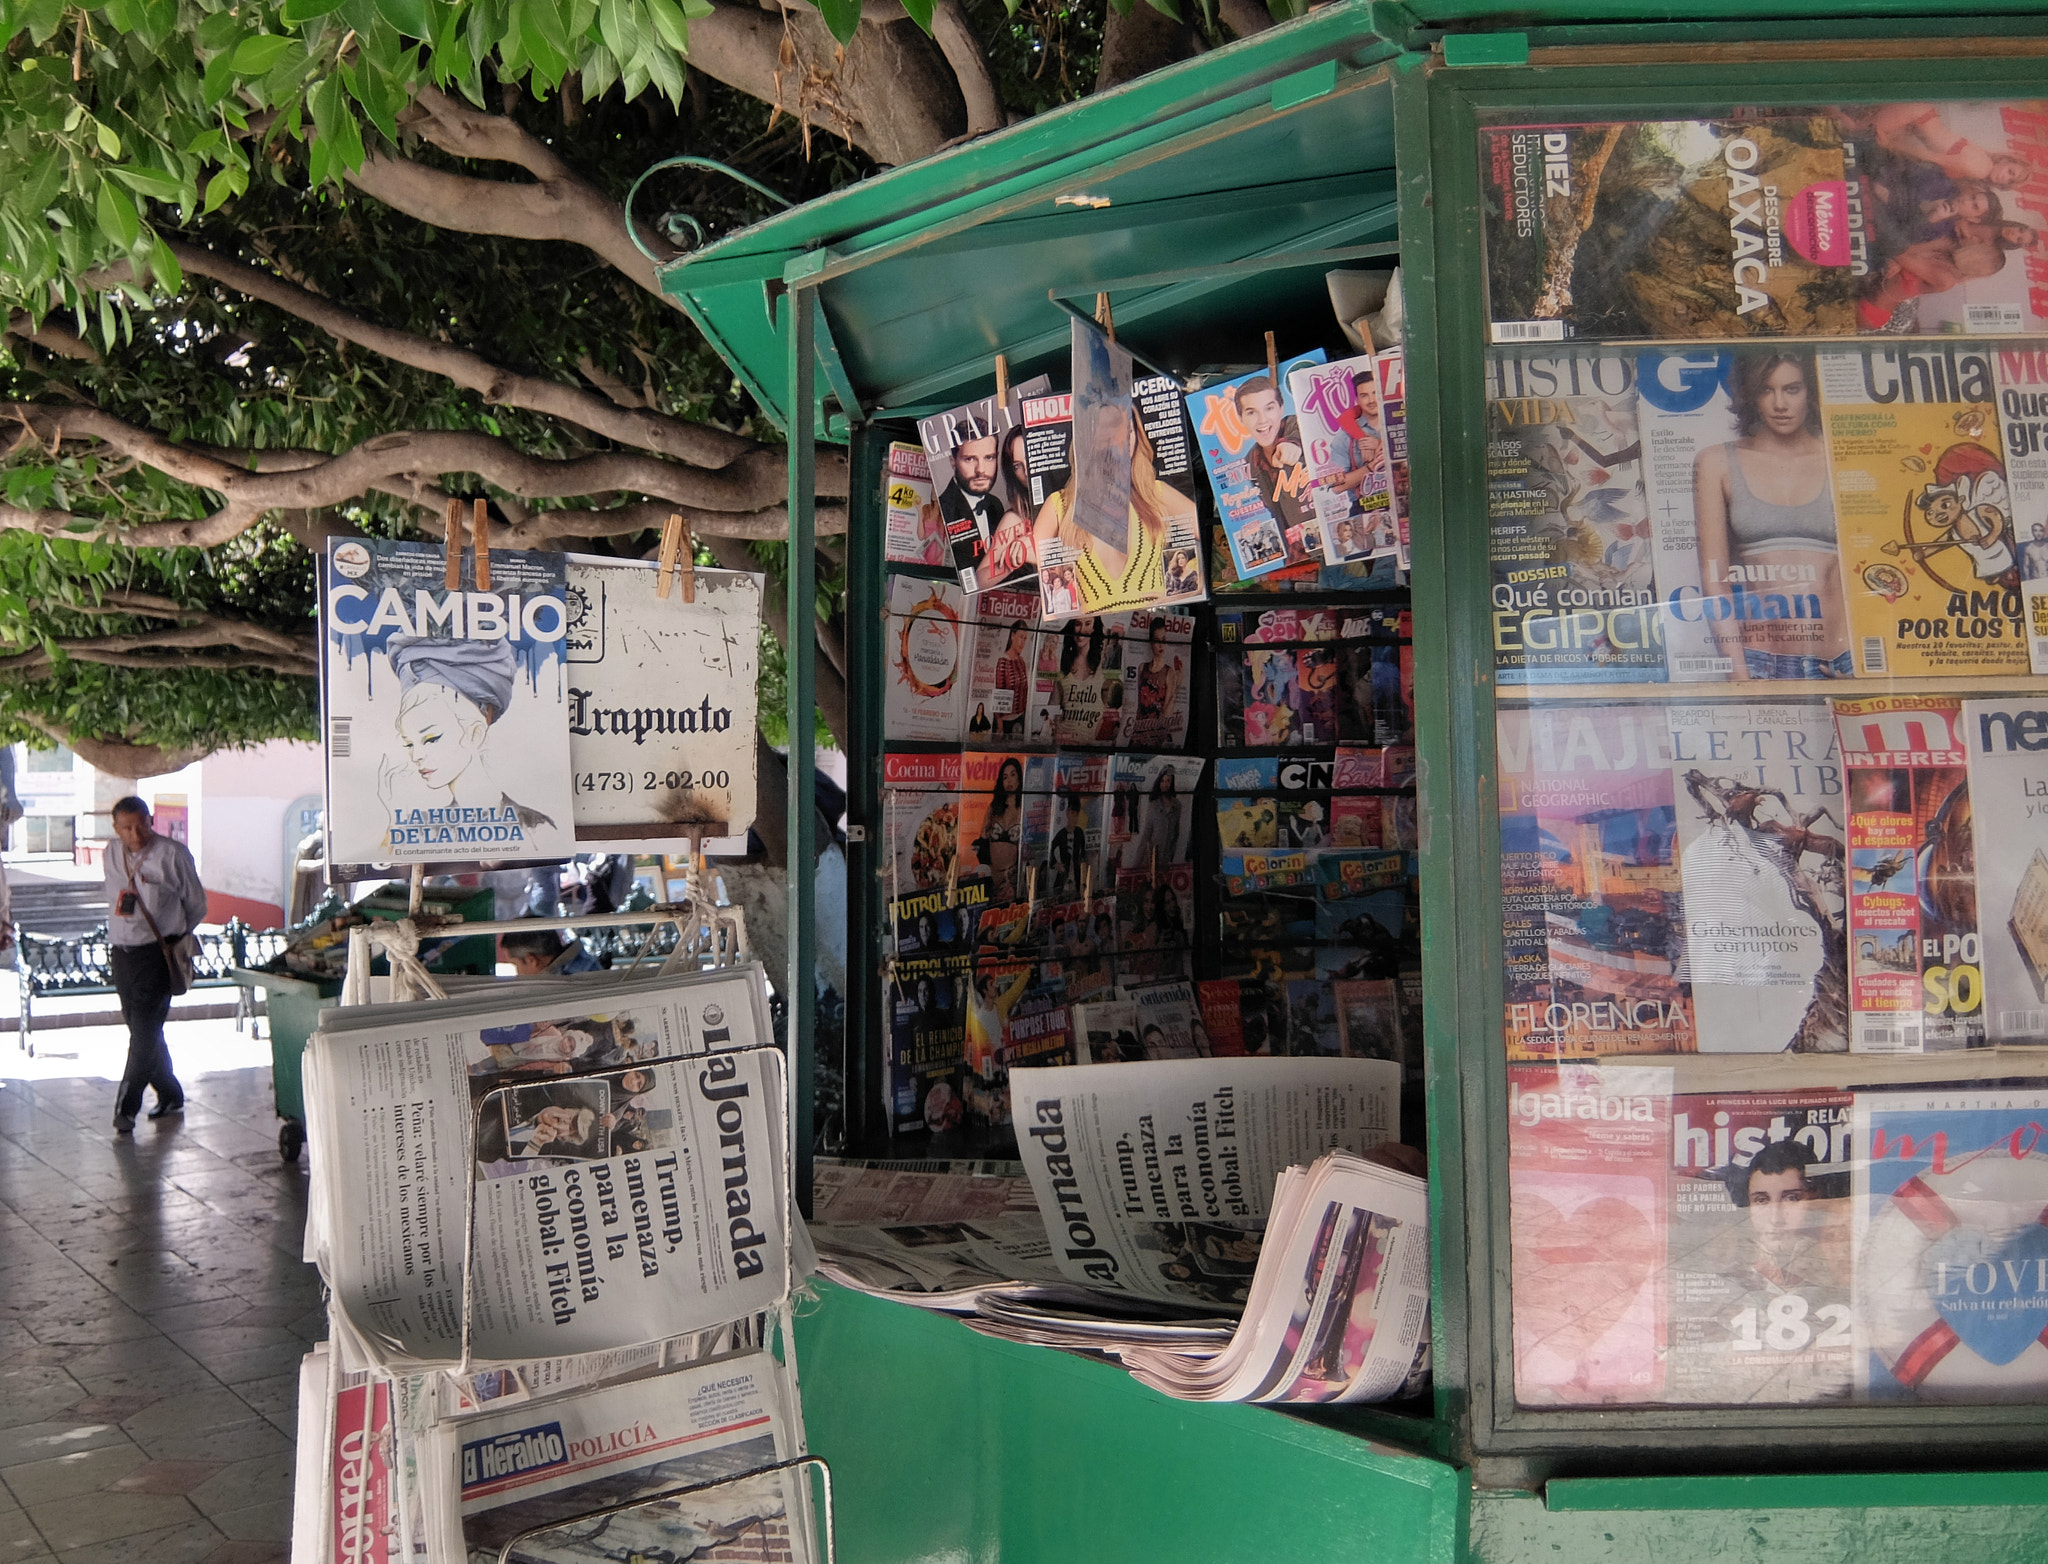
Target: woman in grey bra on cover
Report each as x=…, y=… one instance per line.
x=1770, y=569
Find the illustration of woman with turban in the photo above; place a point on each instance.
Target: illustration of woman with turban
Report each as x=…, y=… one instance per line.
x=451, y=692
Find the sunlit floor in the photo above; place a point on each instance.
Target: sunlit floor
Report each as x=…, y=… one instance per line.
x=153, y=1307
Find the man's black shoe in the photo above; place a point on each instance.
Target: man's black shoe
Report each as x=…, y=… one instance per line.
x=164, y=1109
x=124, y=1124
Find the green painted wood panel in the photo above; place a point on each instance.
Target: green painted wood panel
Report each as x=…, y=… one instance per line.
x=948, y=1446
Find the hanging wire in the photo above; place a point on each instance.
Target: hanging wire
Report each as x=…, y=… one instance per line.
x=671, y=223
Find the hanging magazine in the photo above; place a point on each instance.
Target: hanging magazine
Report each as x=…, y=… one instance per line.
x=976, y=453
x=1116, y=521
x=446, y=710
x=2008, y=774
x=1346, y=447
x=1251, y=444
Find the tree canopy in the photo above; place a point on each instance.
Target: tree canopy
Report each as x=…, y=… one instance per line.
x=277, y=270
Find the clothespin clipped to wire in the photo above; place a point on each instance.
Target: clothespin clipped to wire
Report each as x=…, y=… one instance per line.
x=1363, y=326
x=1272, y=362
x=1031, y=891
x=678, y=556
x=1087, y=883
x=480, y=534
x=1103, y=318
x=451, y=535
x=1002, y=380
x=953, y=877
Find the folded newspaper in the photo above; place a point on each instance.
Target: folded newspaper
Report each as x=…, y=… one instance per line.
x=1166, y=1213
x=558, y=1167
x=653, y=1453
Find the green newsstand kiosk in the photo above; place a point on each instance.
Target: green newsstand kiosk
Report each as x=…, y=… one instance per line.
x=1208, y=201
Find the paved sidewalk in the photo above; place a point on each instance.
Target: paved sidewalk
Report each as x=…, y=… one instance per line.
x=153, y=1308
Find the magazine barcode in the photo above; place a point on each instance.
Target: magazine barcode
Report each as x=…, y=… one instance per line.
x=1873, y=654
x=2022, y=1023
x=1528, y=331
x=1994, y=317
x=337, y=737
x=1871, y=1038
x=1682, y=667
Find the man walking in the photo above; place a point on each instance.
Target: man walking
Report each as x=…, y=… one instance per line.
x=153, y=898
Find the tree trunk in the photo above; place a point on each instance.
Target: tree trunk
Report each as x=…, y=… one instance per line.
x=1144, y=41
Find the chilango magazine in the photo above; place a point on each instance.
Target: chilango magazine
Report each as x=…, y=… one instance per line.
x=446, y=709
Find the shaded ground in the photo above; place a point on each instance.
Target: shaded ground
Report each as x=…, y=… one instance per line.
x=153, y=1308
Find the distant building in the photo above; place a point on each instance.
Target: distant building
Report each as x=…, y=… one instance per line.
x=242, y=812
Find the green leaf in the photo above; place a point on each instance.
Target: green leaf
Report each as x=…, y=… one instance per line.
x=170, y=276
x=118, y=220
x=151, y=182
x=1167, y=7
x=299, y=12
x=109, y=142
x=220, y=188
x=843, y=17
x=219, y=80
x=222, y=30
x=407, y=17
x=255, y=56
x=920, y=12
x=670, y=23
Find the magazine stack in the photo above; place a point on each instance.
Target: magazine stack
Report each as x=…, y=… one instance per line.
x=1105, y=1041
x=1769, y=519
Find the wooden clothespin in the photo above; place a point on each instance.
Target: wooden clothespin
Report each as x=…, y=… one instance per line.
x=1087, y=883
x=1155, y=868
x=416, y=898
x=1002, y=379
x=1272, y=362
x=1363, y=327
x=953, y=877
x=678, y=556
x=480, y=534
x=1103, y=318
x=451, y=534
x=1031, y=891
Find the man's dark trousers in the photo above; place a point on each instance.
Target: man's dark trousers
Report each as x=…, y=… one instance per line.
x=142, y=977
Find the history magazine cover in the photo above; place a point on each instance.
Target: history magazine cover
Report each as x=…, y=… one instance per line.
x=1762, y=856
x=2006, y=741
x=1951, y=1255
x=1574, y=578
x=1923, y=508
x=1916, y=980
x=1589, y=1151
x=1594, y=930
x=446, y=708
x=1762, y=1311
x=1674, y=229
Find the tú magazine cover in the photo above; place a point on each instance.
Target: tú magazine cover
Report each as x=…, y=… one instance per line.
x=446, y=719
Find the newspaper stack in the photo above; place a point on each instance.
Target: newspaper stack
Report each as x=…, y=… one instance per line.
x=555, y=1221
x=1165, y=1215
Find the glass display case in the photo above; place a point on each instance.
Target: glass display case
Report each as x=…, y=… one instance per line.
x=1740, y=366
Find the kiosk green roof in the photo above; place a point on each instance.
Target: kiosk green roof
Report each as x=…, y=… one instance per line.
x=1176, y=193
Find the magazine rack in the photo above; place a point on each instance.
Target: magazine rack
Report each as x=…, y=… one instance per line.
x=1208, y=200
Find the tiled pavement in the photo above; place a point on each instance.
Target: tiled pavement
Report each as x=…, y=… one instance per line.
x=153, y=1310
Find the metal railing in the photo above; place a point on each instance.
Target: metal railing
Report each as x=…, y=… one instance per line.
x=48, y=965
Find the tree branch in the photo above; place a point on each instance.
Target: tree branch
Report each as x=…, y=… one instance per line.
x=116, y=757
x=1244, y=17
x=402, y=458
x=694, y=443
x=560, y=205
x=52, y=338
x=955, y=37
